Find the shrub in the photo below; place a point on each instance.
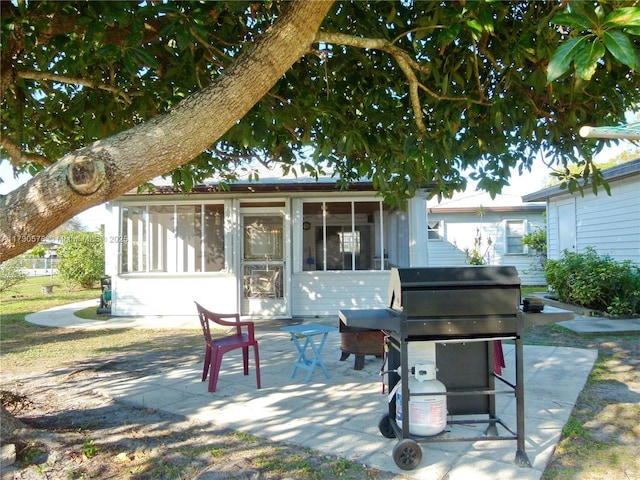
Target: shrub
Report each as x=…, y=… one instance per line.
x=476, y=255
x=12, y=273
x=81, y=259
x=597, y=282
x=537, y=242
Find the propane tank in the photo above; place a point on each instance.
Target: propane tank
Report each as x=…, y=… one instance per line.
x=427, y=413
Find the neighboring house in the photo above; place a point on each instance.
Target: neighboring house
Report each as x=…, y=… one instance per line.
x=277, y=248
x=609, y=224
x=475, y=224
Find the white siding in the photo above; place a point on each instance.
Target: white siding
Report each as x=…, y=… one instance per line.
x=324, y=293
x=552, y=231
x=173, y=295
x=609, y=224
x=460, y=231
x=314, y=293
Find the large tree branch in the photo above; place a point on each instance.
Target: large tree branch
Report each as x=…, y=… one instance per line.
x=18, y=156
x=408, y=65
x=108, y=168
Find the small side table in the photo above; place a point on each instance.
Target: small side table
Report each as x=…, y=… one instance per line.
x=307, y=332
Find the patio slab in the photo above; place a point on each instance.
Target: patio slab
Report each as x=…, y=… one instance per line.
x=339, y=416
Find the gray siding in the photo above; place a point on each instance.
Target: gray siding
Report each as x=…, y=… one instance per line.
x=610, y=224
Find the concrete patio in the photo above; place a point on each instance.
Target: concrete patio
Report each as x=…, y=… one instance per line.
x=339, y=415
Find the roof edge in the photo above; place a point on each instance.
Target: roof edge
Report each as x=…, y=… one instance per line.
x=617, y=172
x=539, y=207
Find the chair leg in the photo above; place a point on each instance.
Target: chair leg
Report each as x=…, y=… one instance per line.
x=207, y=363
x=216, y=360
x=245, y=359
x=257, y=358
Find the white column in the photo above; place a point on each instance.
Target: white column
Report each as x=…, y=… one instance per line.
x=418, y=230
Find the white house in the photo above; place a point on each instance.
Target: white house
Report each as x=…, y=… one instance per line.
x=609, y=224
x=493, y=228
x=277, y=248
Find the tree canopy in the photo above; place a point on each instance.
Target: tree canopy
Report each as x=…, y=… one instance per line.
x=100, y=97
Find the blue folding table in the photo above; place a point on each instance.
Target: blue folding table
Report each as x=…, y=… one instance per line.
x=307, y=332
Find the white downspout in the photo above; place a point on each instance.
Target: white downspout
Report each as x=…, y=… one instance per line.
x=418, y=230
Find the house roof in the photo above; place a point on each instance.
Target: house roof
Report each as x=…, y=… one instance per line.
x=271, y=180
x=618, y=172
x=474, y=201
x=265, y=186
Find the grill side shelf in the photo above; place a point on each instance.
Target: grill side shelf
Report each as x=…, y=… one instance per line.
x=548, y=316
x=372, y=319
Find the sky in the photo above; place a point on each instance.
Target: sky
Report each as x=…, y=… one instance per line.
x=519, y=186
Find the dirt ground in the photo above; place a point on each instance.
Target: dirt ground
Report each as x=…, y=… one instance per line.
x=72, y=433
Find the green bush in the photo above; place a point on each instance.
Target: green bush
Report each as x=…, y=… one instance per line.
x=81, y=259
x=537, y=243
x=12, y=273
x=597, y=282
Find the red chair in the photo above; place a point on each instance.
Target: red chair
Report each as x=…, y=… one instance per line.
x=217, y=347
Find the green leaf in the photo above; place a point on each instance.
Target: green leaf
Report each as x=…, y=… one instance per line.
x=130, y=63
x=391, y=17
x=408, y=146
x=623, y=17
x=145, y=57
x=621, y=48
x=487, y=20
x=448, y=35
x=573, y=20
x=109, y=51
x=587, y=57
x=475, y=27
x=562, y=58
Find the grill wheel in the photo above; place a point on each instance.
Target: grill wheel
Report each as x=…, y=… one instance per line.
x=407, y=454
x=384, y=425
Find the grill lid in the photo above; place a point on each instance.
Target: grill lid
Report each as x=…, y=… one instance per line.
x=455, y=291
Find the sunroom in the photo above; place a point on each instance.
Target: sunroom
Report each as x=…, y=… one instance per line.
x=274, y=249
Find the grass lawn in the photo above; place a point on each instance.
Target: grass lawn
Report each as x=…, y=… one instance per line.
x=28, y=297
x=25, y=345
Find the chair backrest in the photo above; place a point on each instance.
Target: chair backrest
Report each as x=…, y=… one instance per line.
x=206, y=316
x=204, y=322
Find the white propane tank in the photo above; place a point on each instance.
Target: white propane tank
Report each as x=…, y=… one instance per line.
x=427, y=413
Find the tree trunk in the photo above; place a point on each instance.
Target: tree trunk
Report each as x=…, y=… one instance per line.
x=113, y=166
x=9, y=425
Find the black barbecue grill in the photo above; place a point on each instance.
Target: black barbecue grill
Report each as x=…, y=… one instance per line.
x=465, y=312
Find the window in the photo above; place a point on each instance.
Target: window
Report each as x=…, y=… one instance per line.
x=134, y=230
x=514, y=233
x=172, y=238
x=349, y=235
x=435, y=230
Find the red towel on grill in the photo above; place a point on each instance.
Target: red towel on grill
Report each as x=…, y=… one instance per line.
x=498, y=357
